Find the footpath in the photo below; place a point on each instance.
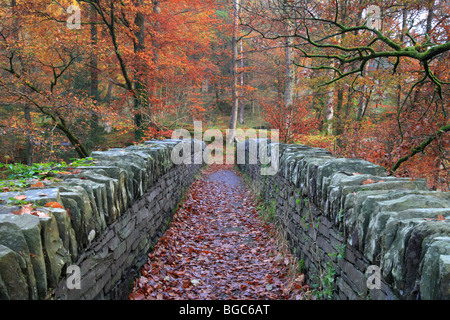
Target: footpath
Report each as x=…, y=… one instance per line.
x=218, y=247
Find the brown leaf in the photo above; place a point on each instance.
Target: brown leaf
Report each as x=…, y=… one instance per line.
x=440, y=218
x=64, y=172
x=26, y=209
x=137, y=296
x=40, y=214
x=77, y=171
x=20, y=197
x=368, y=181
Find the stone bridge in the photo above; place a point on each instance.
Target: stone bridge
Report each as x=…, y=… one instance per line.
x=342, y=217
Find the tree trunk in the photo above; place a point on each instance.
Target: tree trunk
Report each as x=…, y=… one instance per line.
x=338, y=129
x=93, y=58
x=329, y=111
x=139, y=83
x=289, y=84
x=241, y=102
x=234, y=91
x=28, y=143
x=93, y=138
x=429, y=17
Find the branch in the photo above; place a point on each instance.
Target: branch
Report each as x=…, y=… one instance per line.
x=421, y=147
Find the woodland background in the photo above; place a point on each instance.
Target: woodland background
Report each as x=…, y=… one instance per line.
x=316, y=70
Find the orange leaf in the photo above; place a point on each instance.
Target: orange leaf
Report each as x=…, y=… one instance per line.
x=440, y=217
x=53, y=205
x=38, y=184
x=21, y=197
x=368, y=181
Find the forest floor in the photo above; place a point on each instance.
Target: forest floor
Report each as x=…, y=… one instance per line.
x=218, y=247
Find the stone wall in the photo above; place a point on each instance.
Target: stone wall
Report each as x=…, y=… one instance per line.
x=341, y=216
x=112, y=214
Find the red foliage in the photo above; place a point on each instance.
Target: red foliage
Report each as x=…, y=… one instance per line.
x=381, y=142
x=291, y=121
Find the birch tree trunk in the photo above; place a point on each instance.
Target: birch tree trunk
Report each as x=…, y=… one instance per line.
x=289, y=83
x=234, y=91
x=241, y=102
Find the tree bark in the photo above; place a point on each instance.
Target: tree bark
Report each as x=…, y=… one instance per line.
x=139, y=83
x=234, y=89
x=241, y=102
x=28, y=143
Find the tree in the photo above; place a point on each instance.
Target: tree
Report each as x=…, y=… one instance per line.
x=338, y=38
x=235, y=73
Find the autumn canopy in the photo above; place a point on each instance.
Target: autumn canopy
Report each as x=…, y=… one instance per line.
x=361, y=78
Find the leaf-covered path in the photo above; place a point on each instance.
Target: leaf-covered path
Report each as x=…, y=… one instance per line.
x=218, y=247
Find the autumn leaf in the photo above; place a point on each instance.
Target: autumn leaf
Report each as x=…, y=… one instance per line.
x=440, y=218
x=40, y=214
x=214, y=250
x=64, y=172
x=53, y=205
x=38, y=184
x=137, y=296
x=25, y=209
x=20, y=197
x=368, y=181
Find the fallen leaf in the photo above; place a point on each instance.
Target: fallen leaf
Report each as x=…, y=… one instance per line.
x=40, y=214
x=53, y=204
x=20, y=197
x=440, y=218
x=64, y=172
x=38, y=184
x=217, y=247
x=368, y=181
x=77, y=171
x=137, y=296
x=26, y=209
